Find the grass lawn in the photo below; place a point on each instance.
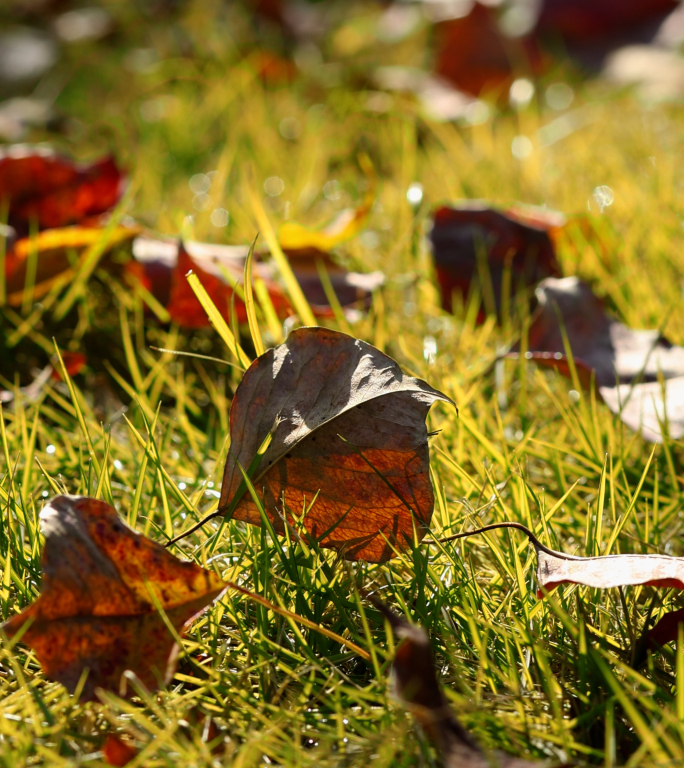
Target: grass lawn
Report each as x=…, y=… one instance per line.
x=542, y=679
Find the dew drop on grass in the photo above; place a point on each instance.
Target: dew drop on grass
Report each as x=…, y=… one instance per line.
x=199, y=183
x=521, y=92
x=118, y=464
x=603, y=197
x=477, y=113
x=219, y=217
x=370, y=240
x=290, y=128
x=331, y=190
x=521, y=147
x=274, y=186
x=201, y=201
x=414, y=194
x=50, y=449
x=430, y=349
x=559, y=96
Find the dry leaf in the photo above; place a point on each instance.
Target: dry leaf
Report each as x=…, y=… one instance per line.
x=53, y=191
x=372, y=487
x=297, y=239
x=601, y=572
x=417, y=686
x=95, y=611
x=475, y=55
x=471, y=237
x=626, y=363
x=74, y=362
x=614, y=351
x=648, y=407
x=162, y=265
x=584, y=21
x=117, y=752
x=665, y=629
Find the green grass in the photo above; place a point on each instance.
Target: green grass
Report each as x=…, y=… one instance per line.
x=148, y=431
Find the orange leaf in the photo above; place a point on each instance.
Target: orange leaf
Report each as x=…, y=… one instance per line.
x=373, y=485
x=95, y=611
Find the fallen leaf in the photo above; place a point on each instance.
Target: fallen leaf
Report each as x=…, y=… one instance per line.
x=582, y=21
x=118, y=752
x=57, y=254
x=296, y=239
x=74, y=362
x=95, y=611
x=665, y=630
x=161, y=265
x=626, y=363
x=600, y=572
x=471, y=237
x=560, y=363
x=614, y=351
x=476, y=56
x=369, y=489
x=649, y=408
x=417, y=686
x=53, y=191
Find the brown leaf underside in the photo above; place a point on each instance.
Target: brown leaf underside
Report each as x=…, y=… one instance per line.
x=373, y=488
x=95, y=611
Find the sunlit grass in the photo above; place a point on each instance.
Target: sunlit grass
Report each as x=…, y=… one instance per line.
x=536, y=678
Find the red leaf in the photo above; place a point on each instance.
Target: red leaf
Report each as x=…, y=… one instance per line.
x=54, y=191
x=470, y=232
x=476, y=57
x=74, y=362
x=118, y=752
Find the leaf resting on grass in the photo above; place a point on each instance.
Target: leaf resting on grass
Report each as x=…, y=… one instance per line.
x=95, y=611
x=349, y=436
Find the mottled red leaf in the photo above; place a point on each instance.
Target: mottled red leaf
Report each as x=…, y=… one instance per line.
x=318, y=387
x=95, y=611
x=54, y=191
x=665, y=629
x=74, y=363
x=471, y=237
